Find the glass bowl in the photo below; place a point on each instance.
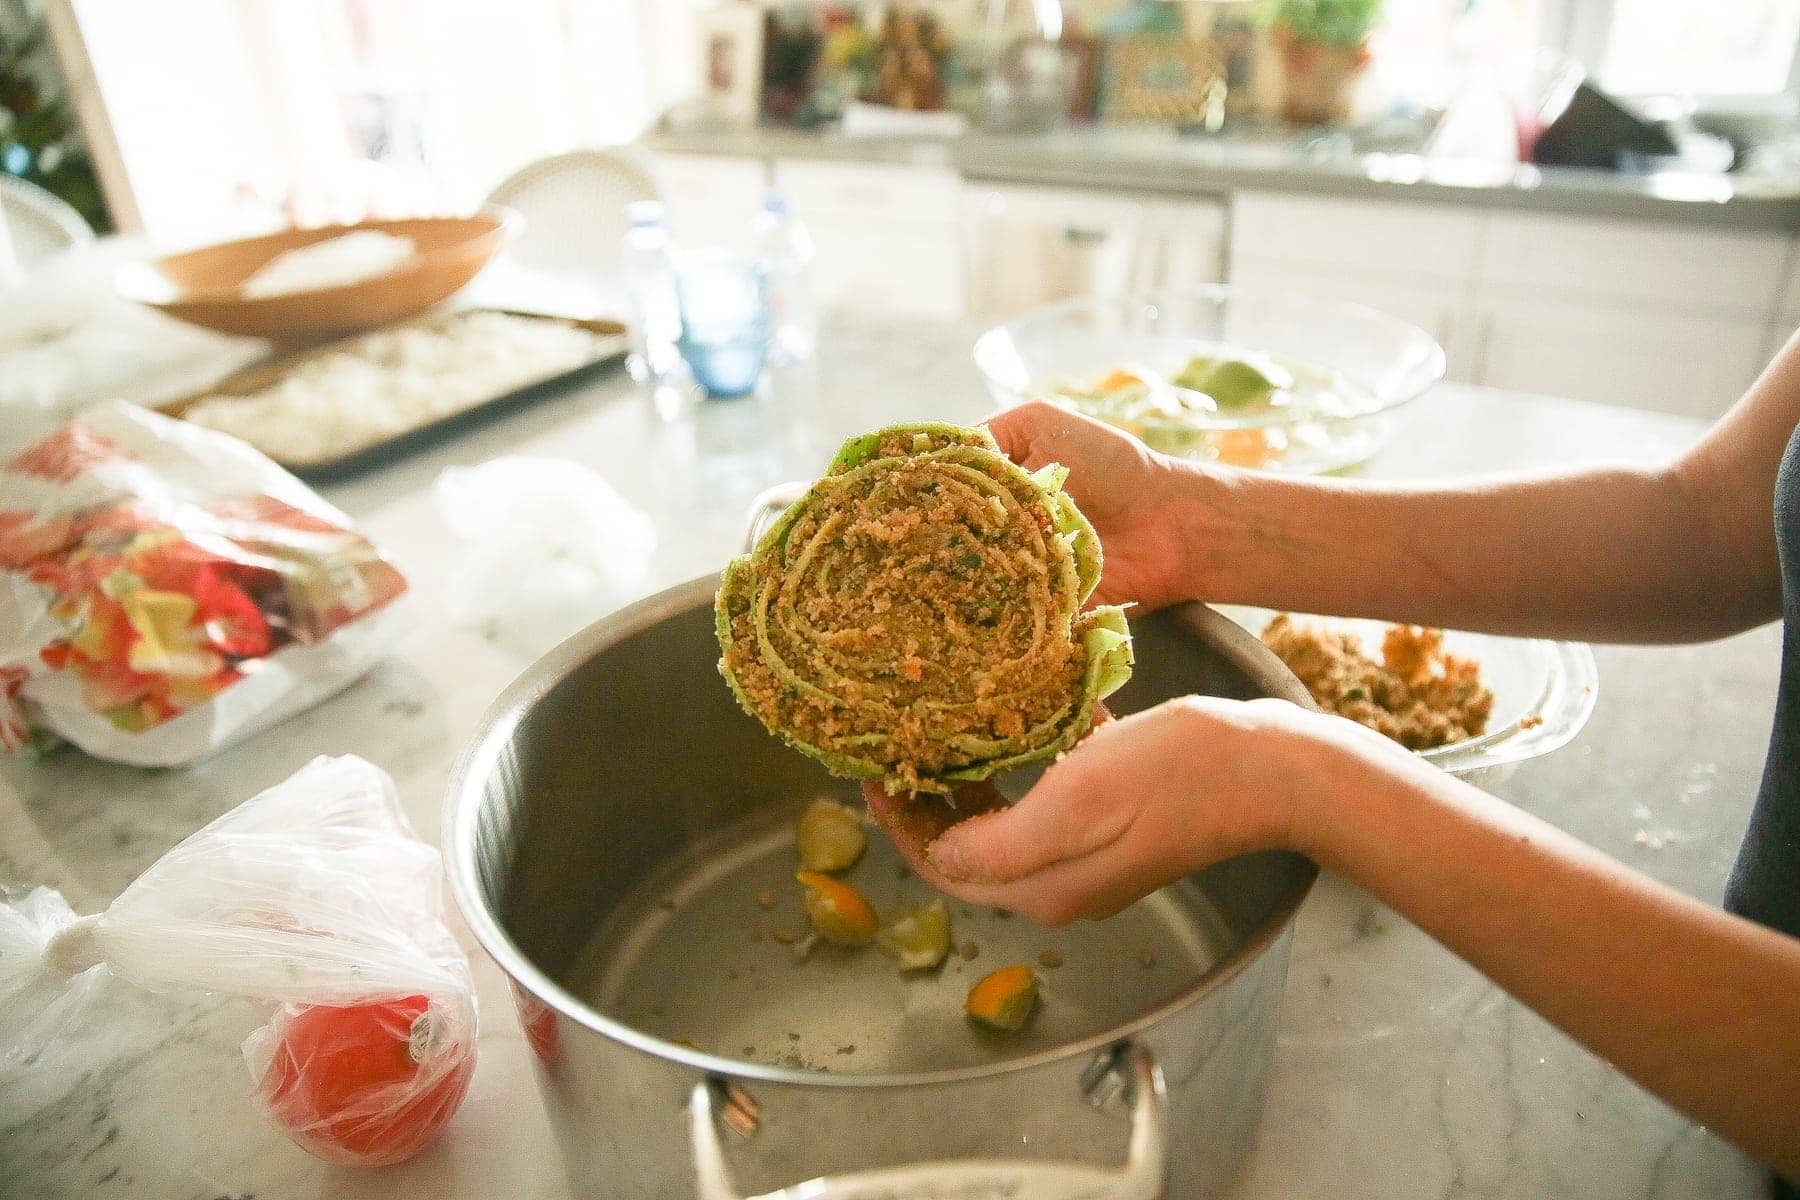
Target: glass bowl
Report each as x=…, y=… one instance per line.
x=1544, y=691
x=1359, y=365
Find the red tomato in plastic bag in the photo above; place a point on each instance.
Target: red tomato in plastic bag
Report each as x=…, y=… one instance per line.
x=367, y=1083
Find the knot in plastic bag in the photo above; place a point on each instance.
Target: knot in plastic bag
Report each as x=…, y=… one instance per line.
x=75, y=947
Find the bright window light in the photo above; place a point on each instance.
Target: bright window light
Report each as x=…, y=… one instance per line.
x=1735, y=48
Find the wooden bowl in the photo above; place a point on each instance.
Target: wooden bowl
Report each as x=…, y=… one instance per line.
x=204, y=287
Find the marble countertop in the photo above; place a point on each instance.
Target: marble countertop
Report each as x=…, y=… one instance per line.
x=1400, y=1072
x=1160, y=160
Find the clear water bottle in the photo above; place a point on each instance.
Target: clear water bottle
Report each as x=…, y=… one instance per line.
x=786, y=251
x=647, y=273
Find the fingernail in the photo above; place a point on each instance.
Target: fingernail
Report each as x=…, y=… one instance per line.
x=948, y=858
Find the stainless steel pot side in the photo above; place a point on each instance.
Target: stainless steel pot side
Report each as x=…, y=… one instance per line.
x=622, y=747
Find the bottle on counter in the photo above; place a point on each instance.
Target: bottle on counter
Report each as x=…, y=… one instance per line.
x=785, y=249
x=647, y=274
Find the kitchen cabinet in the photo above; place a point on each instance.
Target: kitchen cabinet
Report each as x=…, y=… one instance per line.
x=1636, y=263
x=1439, y=309
x=1393, y=240
x=900, y=272
x=889, y=237
x=1626, y=312
x=1188, y=241
x=1639, y=313
x=1786, y=318
x=1029, y=246
x=1416, y=262
x=1693, y=364
x=712, y=198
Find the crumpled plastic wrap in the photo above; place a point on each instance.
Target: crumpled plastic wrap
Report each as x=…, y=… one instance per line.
x=166, y=590
x=314, y=898
x=548, y=546
x=67, y=341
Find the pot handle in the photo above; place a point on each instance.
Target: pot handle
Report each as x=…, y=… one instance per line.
x=767, y=506
x=1141, y=1178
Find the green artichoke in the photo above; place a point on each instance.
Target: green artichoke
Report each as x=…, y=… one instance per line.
x=916, y=617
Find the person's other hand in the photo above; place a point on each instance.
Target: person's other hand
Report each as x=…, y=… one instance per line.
x=1131, y=493
x=1143, y=801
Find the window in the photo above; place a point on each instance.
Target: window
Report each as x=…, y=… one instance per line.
x=232, y=115
x=1427, y=49
x=1741, y=47
x=1632, y=47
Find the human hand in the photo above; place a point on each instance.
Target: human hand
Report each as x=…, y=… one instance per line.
x=1141, y=802
x=1130, y=493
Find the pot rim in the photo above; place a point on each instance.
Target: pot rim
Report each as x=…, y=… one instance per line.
x=463, y=816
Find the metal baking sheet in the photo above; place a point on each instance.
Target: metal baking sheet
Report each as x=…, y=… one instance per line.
x=272, y=370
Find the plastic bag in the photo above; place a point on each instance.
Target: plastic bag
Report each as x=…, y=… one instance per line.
x=67, y=341
x=166, y=590
x=315, y=898
x=549, y=546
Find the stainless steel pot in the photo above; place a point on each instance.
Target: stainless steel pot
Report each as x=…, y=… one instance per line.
x=616, y=837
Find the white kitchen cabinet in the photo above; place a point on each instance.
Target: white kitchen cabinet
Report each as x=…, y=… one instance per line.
x=872, y=194
x=900, y=272
x=1393, y=240
x=889, y=237
x=1646, y=314
x=1029, y=246
x=1642, y=313
x=1439, y=309
x=1786, y=318
x=1643, y=264
x=712, y=199
x=1688, y=363
x=1187, y=242
x=1415, y=262
x=1781, y=329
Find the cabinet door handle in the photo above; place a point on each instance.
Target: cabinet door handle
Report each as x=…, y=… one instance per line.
x=1079, y=235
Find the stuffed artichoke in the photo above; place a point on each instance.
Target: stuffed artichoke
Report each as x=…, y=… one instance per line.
x=916, y=617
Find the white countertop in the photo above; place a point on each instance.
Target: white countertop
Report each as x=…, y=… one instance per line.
x=1400, y=1072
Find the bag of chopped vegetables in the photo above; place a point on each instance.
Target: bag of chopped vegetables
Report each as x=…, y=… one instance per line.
x=166, y=590
x=315, y=900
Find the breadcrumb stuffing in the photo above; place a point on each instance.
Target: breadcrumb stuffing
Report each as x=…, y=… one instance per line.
x=1418, y=695
x=913, y=614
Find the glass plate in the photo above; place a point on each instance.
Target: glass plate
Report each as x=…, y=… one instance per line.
x=1544, y=691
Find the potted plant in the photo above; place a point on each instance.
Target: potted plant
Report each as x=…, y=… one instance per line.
x=1324, y=48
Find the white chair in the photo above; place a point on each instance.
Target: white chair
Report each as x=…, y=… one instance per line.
x=39, y=224
x=574, y=209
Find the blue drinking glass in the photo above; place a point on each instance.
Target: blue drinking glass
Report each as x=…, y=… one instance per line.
x=725, y=324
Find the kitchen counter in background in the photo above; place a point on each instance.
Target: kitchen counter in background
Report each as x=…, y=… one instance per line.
x=1664, y=292
x=1164, y=161
x=1401, y=1074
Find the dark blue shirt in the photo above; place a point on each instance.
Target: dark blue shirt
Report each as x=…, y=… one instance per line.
x=1765, y=883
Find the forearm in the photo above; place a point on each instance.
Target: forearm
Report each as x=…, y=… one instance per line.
x=1610, y=554
x=1698, y=1006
